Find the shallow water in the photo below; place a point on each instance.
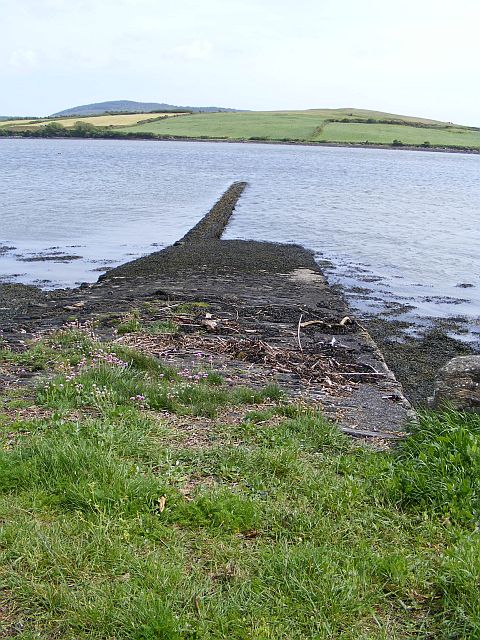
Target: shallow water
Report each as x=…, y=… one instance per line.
x=104, y=201
x=401, y=227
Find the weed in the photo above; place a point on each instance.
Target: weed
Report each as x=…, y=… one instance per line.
x=438, y=467
x=130, y=324
x=162, y=326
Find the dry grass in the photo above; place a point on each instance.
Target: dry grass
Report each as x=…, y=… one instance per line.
x=111, y=120
x=15, y=123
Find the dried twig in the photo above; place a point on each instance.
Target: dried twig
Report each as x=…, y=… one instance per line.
x=310, y=322
x=342, y=323
x=313, y=365
x=298, y=332
x=364, y=373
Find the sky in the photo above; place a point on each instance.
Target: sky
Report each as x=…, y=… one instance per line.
x=417, y=57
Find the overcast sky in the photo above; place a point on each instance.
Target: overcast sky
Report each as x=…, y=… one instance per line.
x=415, y=57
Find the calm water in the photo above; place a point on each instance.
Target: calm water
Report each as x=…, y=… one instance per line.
x=399, y=226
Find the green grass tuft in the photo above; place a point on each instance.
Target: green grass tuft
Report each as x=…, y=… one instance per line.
x=438, y=466
x=133, y=506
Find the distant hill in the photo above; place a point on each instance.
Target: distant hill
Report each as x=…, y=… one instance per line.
x=131, y=106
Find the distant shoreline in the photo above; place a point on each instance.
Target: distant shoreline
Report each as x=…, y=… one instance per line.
x=352, y=145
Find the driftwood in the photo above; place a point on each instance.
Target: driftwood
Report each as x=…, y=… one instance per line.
x=298, y=333
x=342, y=323
x=224, y=339
x=317, y=366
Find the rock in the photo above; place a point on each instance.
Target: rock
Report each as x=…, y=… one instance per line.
x=458, y=384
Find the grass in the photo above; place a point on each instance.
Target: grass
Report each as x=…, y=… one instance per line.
x=343, y=126
x=295, y=126
x=386, y=134
x=109, y=120
x=313, y=126
x=133, y=505
x=131, y=323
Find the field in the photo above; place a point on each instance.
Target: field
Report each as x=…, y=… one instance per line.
x=342, y=126
x=314, y=126
x=289, y=125
x=383, y=133
x=141, y=502
x=109, y=120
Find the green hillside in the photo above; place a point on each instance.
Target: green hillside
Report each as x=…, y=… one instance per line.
x=384, y=133
x=316, y=125
x=291, y=125
x=340, y=126
x=129, y=106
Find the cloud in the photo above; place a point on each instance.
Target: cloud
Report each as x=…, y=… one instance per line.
x=195, y=50
x=266, y=55
x=23, y=60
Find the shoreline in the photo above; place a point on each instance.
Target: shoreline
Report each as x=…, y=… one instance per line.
x=343, y=145
x=203, y=266
x=274, y=299
x=174, y=464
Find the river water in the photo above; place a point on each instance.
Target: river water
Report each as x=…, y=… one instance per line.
x=401, y=228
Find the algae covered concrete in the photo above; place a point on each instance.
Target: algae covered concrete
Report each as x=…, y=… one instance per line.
x=278, y=298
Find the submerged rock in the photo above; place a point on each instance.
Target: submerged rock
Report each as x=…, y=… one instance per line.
x=458, y=384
